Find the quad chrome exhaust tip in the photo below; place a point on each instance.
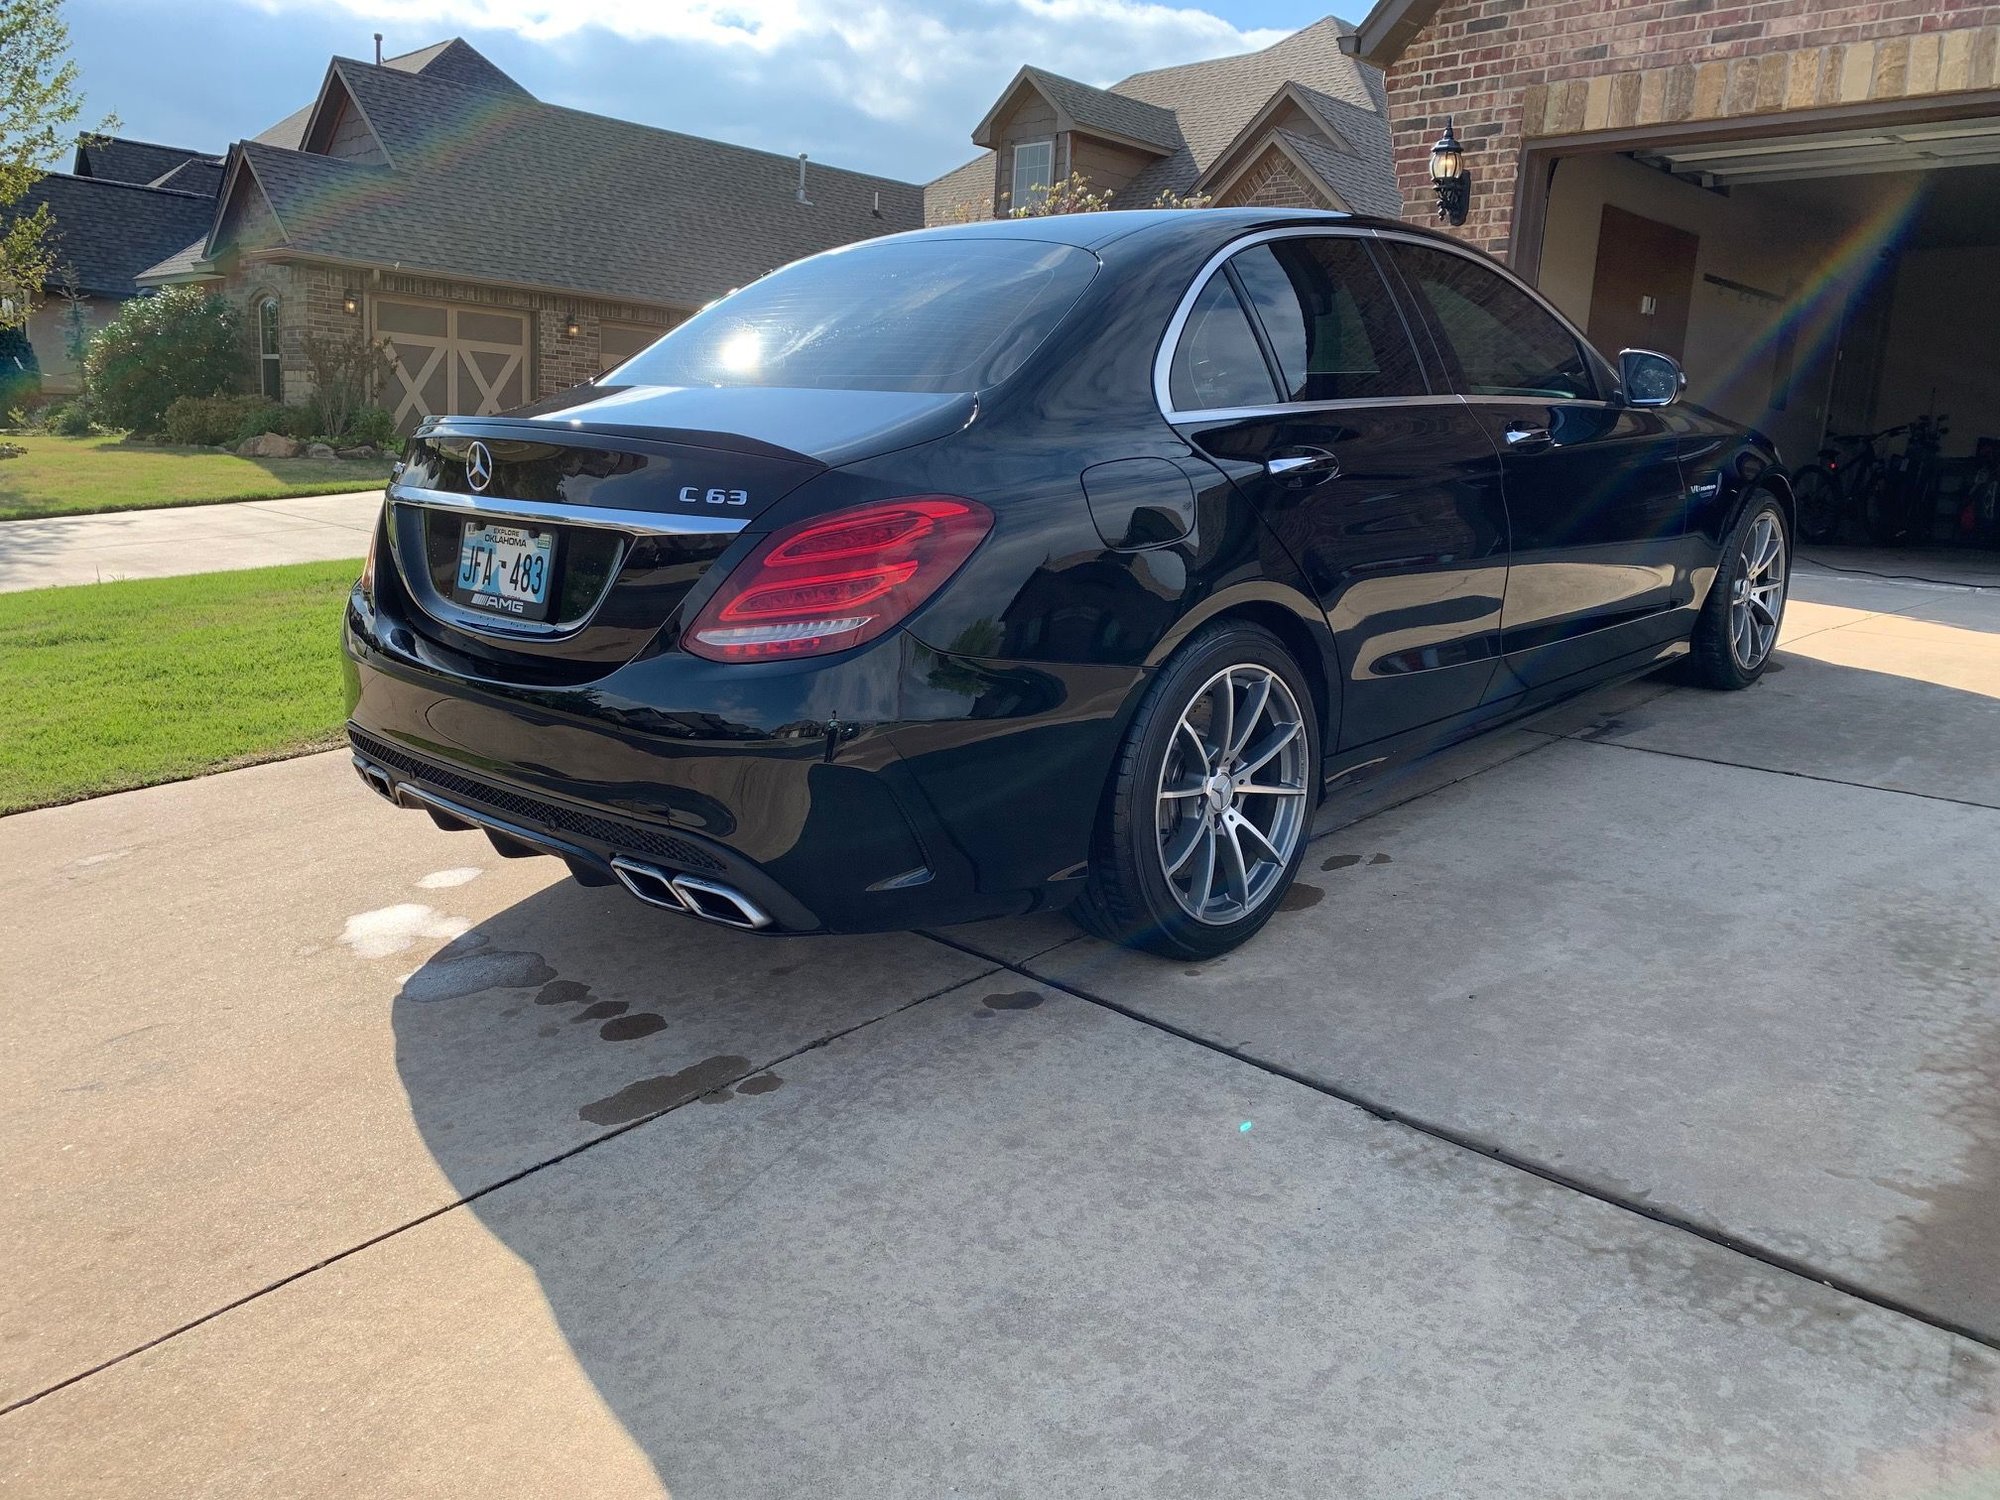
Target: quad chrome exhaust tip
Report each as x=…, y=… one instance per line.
x=707, y=899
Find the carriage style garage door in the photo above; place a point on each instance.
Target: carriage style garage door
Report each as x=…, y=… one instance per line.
x=467, y=361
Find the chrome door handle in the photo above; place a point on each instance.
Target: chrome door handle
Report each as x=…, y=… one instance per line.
x=1517, y=434
x=1308, y=465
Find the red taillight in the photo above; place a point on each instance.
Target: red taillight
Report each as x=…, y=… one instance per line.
x=836, y=581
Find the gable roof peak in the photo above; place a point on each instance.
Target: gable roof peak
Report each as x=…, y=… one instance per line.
x=455, y=60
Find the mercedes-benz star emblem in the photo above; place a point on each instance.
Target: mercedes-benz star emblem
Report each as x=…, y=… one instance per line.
x=478, y=467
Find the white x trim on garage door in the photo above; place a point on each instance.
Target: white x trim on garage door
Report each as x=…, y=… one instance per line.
x=452, y=360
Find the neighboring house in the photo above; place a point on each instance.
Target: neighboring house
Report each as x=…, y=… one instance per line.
x=1299, y=124
x=123, y=205
x=1800, y=199
x=503, y=248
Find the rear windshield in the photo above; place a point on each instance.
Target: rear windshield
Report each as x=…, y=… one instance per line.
x=935, y=315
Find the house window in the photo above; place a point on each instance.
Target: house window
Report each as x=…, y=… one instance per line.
x=270, y=369
x=1034, y=172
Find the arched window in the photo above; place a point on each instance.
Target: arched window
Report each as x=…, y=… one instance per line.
x=270, y=369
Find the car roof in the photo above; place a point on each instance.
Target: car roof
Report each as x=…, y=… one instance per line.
x=1094, y=231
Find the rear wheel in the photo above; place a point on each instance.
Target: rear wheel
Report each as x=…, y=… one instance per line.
x=1739, y=624
x=1205, y=821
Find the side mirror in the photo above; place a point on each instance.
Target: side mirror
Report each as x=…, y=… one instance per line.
x=1651, y=379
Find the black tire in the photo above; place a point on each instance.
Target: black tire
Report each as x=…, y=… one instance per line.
x=1817, y=497
x=1130, y=896
x=1718, y=659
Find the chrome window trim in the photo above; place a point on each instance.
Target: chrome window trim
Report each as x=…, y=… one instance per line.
x=502, y=508
x=1163, y=358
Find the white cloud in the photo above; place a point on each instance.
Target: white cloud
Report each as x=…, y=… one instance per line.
x=767, y=72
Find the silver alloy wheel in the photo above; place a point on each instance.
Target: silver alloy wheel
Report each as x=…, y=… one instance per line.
x=1758, y=603
x=1232, y=794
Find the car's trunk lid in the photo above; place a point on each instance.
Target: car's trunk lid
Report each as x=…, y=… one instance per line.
x=627, y=496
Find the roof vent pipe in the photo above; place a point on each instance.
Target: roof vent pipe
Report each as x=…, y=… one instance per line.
x=378, y=49
x=802, y=181
x=876, y=208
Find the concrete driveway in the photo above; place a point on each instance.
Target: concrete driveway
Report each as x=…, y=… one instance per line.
x=1613, y=1112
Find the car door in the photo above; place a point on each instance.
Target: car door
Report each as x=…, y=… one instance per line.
x=1386, y=492
x=1594, y=488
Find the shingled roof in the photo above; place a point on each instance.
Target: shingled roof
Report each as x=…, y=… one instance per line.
x=484, y=182
x=112, y=159
x=1211, y=104
x=105, y=232
x=1085, y=107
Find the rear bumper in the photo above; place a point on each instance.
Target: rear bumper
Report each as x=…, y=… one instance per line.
x=884, y=789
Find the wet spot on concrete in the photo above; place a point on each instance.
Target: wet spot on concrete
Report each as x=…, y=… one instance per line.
x=631, y=1028
x=562, y=992
x=391, y=929
x=1301, y=896
x=1602, y=728
x=665, y=1091
x=1340, y=861
x=1013, y=1000
x=1379, y=859
x=449, y=980
x=1194, y=973
x=459, y=947
x=603, y=1010
x=552, y=1029
x=439, y=880
x=717, y=1096
x=783, y=969
x=763, y=1083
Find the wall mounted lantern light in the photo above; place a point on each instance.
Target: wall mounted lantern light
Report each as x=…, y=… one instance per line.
x=350, y=302
x=572, y=328
x=1448, y=178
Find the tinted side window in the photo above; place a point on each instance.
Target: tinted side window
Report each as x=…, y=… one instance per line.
x=1330, y=319
x=1503, y=342
x=1217, y=363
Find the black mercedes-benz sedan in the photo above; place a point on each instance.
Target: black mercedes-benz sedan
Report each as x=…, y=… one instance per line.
x=1062, y=562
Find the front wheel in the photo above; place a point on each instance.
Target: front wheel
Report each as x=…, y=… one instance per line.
x=1206, y=818
x=1739, y=623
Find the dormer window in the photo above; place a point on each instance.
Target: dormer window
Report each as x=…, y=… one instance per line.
x=1034, y=173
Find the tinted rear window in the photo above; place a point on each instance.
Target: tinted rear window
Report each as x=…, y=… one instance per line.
x=938, y=315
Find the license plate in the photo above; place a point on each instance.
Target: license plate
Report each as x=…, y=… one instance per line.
x=504, y=570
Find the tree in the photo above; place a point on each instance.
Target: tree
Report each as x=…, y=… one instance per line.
x=38, y=103
x=182, y=341
x=1073, y=195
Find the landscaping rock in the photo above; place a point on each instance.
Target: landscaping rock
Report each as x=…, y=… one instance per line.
x=319, y=450
x=11, y=450
x=271, y=445
x=363, y=450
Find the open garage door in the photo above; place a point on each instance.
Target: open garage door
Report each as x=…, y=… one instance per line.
x=451, y=360
x=1822, y=285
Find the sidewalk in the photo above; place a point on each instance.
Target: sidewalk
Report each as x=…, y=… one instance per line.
x=185, y=539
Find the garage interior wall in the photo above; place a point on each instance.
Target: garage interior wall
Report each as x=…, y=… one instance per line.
x=1740, y=344
x=1942, y=353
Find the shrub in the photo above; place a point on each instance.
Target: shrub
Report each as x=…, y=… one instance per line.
x=344, y=369
x=69, y=419
x=210, y=421
x=371, y=425
x=181, y=341
x=262, y=416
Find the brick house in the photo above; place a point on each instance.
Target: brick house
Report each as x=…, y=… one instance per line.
x=502, y=248
x=1298, y=124
x=121, y=206
x=1793, y=195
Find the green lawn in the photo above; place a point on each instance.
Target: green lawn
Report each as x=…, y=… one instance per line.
x=69, y=476
x=114, y=685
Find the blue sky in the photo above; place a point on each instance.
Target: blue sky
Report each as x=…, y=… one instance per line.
x=889, y=86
